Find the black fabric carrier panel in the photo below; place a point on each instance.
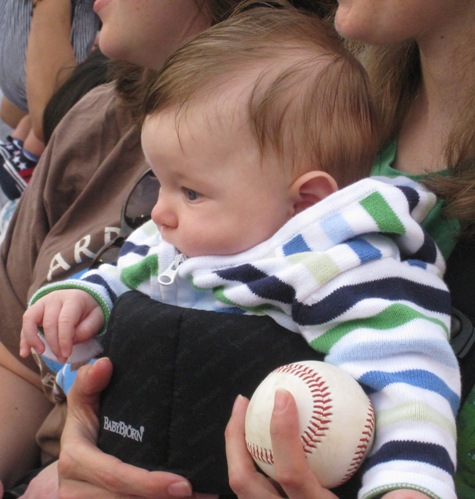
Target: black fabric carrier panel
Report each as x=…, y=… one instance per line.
x=177, y=372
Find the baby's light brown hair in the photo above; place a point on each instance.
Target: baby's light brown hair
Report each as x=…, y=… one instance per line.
x=308, y=100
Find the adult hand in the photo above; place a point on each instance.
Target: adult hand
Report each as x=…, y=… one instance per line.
x=292, y=471
x=85, y=471
x=44, y=485
x=293, y=474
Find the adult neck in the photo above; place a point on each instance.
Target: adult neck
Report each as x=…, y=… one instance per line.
x=448, y=78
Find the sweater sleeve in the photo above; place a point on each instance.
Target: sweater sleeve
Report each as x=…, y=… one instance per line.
x=387, y=324
x=135, y=265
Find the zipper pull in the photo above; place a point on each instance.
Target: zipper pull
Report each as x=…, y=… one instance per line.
x=167, y=277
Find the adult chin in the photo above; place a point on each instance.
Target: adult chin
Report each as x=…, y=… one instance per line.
x=99, y=5
x=384, y=23
x=352, y=22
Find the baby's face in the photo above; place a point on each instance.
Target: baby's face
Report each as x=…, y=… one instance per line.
x=217, y=195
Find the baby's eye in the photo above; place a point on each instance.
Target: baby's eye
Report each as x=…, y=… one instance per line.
x=191, y=195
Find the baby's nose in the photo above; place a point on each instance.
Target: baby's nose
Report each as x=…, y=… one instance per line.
x=163, y=213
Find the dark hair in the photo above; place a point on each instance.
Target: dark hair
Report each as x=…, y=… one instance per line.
x=93, y=71
x=217, y=10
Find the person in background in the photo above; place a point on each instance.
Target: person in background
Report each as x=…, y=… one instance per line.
x=93, y=71
x=41, y=43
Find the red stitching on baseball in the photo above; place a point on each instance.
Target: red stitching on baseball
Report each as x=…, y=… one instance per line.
x=363, y=446
x=262, y=455
x=321, y=412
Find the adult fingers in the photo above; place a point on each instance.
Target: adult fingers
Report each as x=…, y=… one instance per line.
x=244, y=479
x=44, y=485
x=84, y=469
x=83, y=400
x=290, y=464
x=106, y=477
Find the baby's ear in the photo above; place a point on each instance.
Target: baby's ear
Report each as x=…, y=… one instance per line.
x=310, y=188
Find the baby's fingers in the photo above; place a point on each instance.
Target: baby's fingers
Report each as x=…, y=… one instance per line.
x=50, y=327
x=90, y=325
x=32, y=320
x=69, y=319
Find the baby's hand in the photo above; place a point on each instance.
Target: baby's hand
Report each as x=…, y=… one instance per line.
x=67, y=316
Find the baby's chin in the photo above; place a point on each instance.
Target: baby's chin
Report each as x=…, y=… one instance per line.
x=193, y=250
x=209, y=252
x=195, y=253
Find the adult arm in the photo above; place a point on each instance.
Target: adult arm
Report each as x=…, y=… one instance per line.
x=44, y=484
x=84, y=470
x=50, y=56
x=23, y=409
x=10, y=114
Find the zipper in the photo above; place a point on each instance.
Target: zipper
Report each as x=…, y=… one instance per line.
x=168, y=276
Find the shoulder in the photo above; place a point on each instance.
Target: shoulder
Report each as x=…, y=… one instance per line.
x=102, y=101
x=98, y=122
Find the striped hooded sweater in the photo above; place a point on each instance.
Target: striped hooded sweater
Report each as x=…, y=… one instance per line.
x=359, y=278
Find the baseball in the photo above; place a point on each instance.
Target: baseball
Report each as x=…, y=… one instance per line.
x=335, y=415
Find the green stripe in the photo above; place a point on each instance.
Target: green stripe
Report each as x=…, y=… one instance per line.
x=136, y=274
x=392, y=316
x=414, y=411
x=321, y=266
x=384, y=216
x=218, y=293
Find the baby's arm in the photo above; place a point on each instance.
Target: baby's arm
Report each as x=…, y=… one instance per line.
x=67, y=316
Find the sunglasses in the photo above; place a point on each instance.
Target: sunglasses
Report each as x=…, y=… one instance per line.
x=135, y=212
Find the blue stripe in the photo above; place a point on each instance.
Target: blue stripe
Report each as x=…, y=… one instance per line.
x=417, y=263
x=378, y=380
x=391, y=289
x=414, y=451
x=428, y=251
x=262, y=285
x=242, y=273
x=138, y=249
x=295, y=245
x=231, y=310
x=337, y=229
x=365, y=251
x=372, y=350
x=97, y=279
x=411, y=195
